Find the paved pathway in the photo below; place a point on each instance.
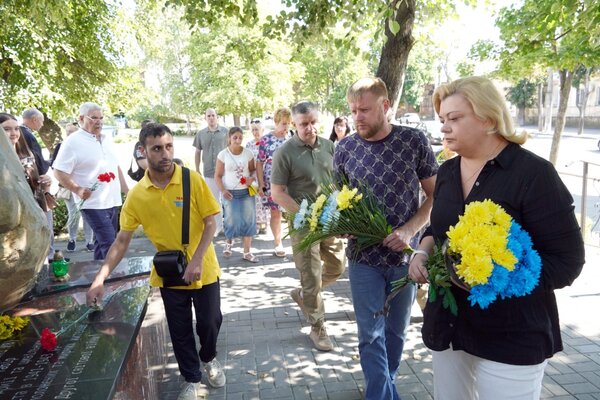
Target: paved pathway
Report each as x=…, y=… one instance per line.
x=266, y=352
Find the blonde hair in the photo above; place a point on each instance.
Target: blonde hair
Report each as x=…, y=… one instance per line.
x=367, y=85
x=282, y=113
x=487, y=102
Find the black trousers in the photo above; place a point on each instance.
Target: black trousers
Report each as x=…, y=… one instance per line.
x=178, y=309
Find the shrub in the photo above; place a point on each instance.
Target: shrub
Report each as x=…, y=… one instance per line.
x=60, y=215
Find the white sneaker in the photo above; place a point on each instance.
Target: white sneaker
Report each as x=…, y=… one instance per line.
x=193, y=391
x=214, y=373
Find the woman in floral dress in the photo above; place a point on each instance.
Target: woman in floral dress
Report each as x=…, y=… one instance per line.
x=262, y=213
x=267, y=147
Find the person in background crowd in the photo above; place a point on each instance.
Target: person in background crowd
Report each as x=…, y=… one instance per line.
x=340, y=129
x=395, y=163
x=39, y=184
x=139, y=159
x=267, y=148
x=84, y=156
x=211, y=140
x=233, y=175
x=300, y=167
x=66, y=195
x=33, y=120
x=499, y=352
x=155, y=204
x=262, y=213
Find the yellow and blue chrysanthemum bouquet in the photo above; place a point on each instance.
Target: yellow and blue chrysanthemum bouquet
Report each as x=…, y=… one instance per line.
x=337, y=212
x=494, y=255
x=487, y=253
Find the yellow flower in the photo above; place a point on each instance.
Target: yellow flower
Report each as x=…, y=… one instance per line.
x=345, y=197
x=10, y=325
x=481, y=237
x=315, y=213
x=20, y=322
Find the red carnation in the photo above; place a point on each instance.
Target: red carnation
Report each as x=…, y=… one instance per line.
x=243, y=180
x=258, y=143
x=48, y=340
x=112, y=176
x=104, y=178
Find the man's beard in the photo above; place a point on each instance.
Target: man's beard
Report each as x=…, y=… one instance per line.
x=372, y=131
x=161, y=166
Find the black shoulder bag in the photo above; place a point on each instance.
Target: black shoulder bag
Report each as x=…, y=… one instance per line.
x=170, y=264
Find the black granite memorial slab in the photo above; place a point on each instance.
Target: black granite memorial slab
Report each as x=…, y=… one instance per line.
x=82, y=274
x=92, y=350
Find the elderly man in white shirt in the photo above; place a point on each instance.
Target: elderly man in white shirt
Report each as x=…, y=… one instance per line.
x=85, y=158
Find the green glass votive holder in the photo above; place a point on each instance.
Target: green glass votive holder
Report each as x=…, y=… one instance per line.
x=60, y=268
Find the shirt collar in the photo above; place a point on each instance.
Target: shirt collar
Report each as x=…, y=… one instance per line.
x=507, y=155
x=296, y=140
x=90, y=135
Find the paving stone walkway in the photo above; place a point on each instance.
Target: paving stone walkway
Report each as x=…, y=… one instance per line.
x=266, y=352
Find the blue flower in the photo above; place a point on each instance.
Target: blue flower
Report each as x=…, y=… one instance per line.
x=516, y=283
x=329, y=214
x=300, y=217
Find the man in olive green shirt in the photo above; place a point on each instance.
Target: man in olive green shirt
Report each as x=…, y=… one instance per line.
x=299, y=167
x=211, y=140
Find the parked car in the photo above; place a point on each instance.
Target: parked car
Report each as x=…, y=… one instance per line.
x=433, y=131
x=410, y=119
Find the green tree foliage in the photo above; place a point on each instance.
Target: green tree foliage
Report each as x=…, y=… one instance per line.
x=391, y=23
x=230, y=67
x=328, y=70
x=549, y=34
x=522, y=95
x=54, y=55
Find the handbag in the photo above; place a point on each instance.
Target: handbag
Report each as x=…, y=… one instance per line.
x=50, y=201
x=252, y=190
x=136, y=175
x=170, y=265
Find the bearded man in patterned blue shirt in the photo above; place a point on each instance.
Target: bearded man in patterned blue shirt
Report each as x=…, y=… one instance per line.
x=398, y=166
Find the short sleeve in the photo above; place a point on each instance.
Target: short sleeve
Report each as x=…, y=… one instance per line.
x=197, y=143
x=66, y=158
x=128, y=219
x=280, y=173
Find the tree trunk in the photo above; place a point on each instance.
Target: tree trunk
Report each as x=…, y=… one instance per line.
x=394, y=54
x=566, y=78
x=540, y=106
x=236, y=119
x=50, y=133
x=188, y=124
x=548, y=103
x=584, y=94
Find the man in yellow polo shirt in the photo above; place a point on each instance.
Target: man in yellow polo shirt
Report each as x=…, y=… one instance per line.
x=156, y=203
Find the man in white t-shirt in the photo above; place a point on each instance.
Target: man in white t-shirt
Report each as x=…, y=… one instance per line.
x=87, y=165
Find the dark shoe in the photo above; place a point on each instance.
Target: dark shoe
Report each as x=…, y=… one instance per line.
x=71, y=246
x=90, y=247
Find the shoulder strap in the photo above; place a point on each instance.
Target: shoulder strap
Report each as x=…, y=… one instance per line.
x=185, y=226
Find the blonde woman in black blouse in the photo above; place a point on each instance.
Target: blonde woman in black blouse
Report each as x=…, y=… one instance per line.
x=499, y=352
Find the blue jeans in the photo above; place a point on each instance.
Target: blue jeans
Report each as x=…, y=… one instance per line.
x=381, y=339
x=104, y=225
x=239, y=215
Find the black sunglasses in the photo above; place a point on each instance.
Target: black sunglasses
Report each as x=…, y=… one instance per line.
x=255, y=121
